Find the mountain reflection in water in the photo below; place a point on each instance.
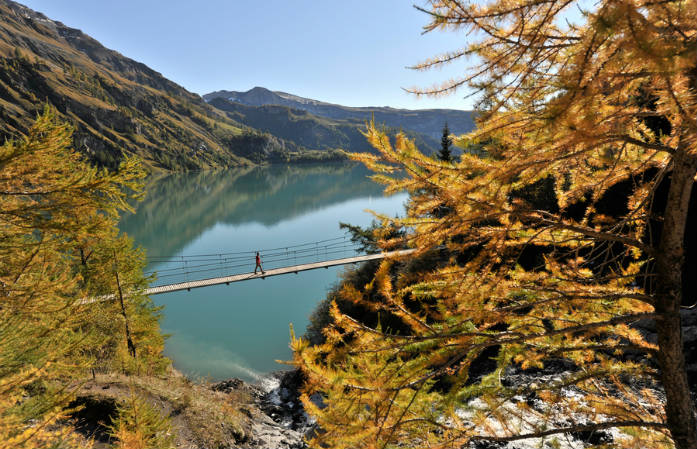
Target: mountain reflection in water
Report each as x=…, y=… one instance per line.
x=179, y=207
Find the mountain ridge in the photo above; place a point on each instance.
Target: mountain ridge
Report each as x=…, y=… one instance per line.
x=308, y=130
x=424, y=121
x=117, y=106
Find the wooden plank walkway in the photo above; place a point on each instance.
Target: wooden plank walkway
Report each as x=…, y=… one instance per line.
x=272, y=272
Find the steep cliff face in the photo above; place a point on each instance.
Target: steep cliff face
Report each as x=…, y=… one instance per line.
x=428, y=122
x=117, y=105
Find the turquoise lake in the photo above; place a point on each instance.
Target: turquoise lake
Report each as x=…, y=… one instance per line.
x=241, y=330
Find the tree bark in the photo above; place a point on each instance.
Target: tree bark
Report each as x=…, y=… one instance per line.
x=670, y=258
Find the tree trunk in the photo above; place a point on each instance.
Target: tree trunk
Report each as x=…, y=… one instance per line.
x=129, y=340
x=668, y=296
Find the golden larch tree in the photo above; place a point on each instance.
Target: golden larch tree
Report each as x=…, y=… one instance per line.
x=58, y=236
x=577, y=107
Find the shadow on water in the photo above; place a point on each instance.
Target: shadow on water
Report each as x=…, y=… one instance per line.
x=179, y=207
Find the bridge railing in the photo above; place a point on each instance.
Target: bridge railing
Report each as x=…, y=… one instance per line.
x=185, y=268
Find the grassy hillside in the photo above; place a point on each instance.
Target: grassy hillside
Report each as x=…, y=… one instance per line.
x=116, y=105
x=119, y=106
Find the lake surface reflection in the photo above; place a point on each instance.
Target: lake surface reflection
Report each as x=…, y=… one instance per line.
x=241, y=330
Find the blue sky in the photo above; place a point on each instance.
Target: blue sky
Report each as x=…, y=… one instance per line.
x=348, y=52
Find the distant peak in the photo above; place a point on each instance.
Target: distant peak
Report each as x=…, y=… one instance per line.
x=258, y=89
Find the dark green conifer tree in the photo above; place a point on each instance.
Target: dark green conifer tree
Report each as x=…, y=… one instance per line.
x=445, y=142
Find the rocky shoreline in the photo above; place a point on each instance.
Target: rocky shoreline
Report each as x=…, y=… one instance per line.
x=284, y=423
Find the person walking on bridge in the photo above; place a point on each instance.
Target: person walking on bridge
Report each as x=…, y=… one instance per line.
x=258, y=266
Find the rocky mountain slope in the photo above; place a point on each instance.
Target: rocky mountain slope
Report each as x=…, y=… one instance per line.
x=428, y=122
x=308, y=130
x=117, y=105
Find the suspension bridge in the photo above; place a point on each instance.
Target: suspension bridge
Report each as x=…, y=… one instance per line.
x=186, y=272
